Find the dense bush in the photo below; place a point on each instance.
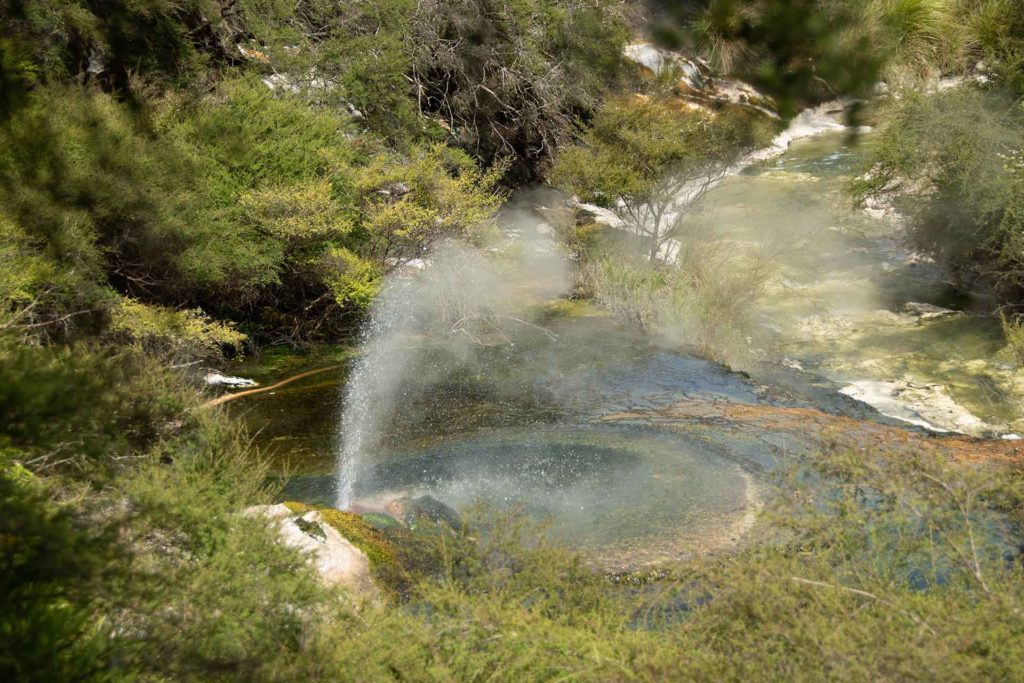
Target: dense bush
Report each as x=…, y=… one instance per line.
x=498, y=79
x=953, y=156
x=124, y=552
x=114, y=43
x=238, y=202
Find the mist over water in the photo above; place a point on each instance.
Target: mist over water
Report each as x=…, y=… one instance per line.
x=836, y=285
x=430, y=326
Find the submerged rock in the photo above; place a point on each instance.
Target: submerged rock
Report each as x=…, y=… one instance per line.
x=380, y=521
x=409, y=511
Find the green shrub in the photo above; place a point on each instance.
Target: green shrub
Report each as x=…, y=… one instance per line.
x=651, y=161
x=707, y=299
x=83, y=409
x=953, y=153
x=126, y=556
x=1013, y=332
x=797, y=51
x=53, y=567
x=94, y=191
x=119, y=44
x=498, y=80
x=179, y=335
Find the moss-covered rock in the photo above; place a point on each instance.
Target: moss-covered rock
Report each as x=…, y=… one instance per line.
x=398, y=556
x=380, y=521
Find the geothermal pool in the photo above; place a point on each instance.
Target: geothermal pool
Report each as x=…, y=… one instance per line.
x=630, y=496
x=517, y=417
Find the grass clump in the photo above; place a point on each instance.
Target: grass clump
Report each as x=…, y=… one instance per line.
x=706, y=299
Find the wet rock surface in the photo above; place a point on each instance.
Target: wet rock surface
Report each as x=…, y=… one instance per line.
x=926, y=405
x=808, y=430
x=411, y=511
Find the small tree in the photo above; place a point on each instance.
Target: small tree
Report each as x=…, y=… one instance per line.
x=651, y=162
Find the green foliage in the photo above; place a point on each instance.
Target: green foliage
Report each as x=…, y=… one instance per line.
x=352, y=280
x=180, y=335
x=996, y=35
x=950, y=35
x=81, y=409
x=954, y=152
x=1013, y=331
x=155, y=574
x=244, y=200
x=408, y=204
x=87, y=185
x=324, y=208
x=707, y=298
x=797, y=51
x=498, y=79
x=634, y=142
x=651, y=161
x=488, y=69
x=921, y=31
x=51, y=566
x=116, y=43
x=810, y=50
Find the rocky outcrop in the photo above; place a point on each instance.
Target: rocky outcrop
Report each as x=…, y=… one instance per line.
x=697, y=84
x=337, y=560
x=925, y=405
x=373, y=553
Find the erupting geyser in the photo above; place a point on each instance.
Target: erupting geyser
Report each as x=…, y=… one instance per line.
x=427, y=327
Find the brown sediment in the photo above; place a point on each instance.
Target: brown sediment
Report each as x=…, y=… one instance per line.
x=834, y=430
x=249, y=392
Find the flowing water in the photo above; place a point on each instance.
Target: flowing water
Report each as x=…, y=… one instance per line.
x=521, y=421
x=846, y=303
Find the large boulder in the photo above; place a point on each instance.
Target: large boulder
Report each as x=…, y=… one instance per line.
x=337, y=560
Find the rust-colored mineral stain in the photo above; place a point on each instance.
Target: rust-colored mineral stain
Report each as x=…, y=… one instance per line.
x=835, y=430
